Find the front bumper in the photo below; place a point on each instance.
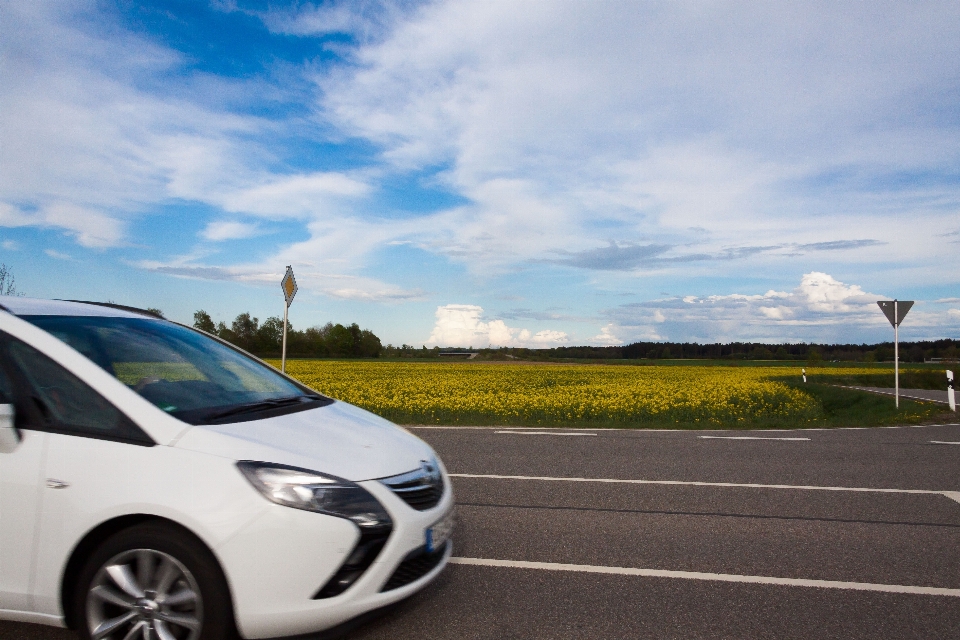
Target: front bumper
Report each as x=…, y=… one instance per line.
x=276, y=564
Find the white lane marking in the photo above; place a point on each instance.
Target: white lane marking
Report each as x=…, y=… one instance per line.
x=748, y=438
x=953, y=495
x=546, y=433
x=443, y=426
x=716, y=577
x=942, y=442
x=655, y=431
x=891, y=393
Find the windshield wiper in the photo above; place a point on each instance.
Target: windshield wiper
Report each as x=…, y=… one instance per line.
x=261, y=405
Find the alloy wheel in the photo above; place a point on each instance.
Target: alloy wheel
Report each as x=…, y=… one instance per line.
x=144, y=594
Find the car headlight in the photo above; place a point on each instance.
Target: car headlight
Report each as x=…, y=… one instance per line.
x=313, y=491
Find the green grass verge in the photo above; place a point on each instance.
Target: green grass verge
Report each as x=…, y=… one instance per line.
x=909, y=379
x=850, y=408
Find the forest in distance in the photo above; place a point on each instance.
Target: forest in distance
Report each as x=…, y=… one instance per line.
x=264, y=339
x=340, y=341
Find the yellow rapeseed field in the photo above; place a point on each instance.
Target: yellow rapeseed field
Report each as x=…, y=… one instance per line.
x=466, y=393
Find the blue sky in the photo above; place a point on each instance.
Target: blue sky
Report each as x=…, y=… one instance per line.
x=504, y=173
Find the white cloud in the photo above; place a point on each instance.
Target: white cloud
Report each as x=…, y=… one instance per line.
x=10, y=245
x=776, y=313
x=229, y=230
x=364, y=20
x=826, y=294
x=682, y=131
x=461, y=325
x=90, y=227
x=84, y=149
x=820, y=309
x=349, y=287
x=310, y=282
x=294, y=196
x=53, y=253
x=606, y=336
x=662, y=118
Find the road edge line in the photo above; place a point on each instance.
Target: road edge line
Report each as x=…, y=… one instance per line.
x=713, y=577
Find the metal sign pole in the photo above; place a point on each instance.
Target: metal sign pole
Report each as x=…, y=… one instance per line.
x=283, y=354
x=891, y=309
x=896, y=355
x=289, y=286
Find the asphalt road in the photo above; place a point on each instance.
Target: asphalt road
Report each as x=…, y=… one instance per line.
x=842, y=534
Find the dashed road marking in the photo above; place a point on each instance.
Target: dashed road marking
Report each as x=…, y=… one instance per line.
x=953, y=495
x=942, y=442
x=716, y=577
x=546, y=433
x=655, y=431
x=749, y=438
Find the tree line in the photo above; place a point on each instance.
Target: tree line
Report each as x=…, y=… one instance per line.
x=264, y=339
x=883, y=352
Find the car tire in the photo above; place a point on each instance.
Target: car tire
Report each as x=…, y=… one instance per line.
x=152, y=581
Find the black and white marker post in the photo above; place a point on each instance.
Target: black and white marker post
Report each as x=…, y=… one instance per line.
x=950, y=397
x=896, y=311
x=289, y=286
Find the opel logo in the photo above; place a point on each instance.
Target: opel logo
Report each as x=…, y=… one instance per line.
x=431, y=474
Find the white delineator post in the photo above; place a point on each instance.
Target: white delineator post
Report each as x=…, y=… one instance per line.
x=289, y=286
x=804, y=372
x=950, y=394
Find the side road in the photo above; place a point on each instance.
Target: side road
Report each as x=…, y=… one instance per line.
x=925, y=395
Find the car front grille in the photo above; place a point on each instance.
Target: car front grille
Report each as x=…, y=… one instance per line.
x=421, y=489
x=417, y=564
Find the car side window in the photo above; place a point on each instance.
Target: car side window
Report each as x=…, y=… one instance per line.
x=6, y=388
x=61, y=402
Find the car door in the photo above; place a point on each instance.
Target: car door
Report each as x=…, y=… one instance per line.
x=87, y=438
x=21, y=472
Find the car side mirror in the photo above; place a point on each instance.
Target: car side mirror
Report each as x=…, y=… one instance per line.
x=9, y=436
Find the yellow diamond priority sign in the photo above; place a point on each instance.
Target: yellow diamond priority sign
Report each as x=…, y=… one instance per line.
x=289, y=285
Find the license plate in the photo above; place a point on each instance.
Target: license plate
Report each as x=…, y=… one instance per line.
x=439, y=532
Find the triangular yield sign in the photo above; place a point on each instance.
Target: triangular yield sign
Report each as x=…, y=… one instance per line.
x=902, y=307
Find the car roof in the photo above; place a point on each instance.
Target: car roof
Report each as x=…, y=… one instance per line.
x=36, y=307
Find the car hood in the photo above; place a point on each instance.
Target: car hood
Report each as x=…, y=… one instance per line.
x=339, y=439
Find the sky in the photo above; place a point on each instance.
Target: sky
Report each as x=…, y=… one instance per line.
x=491, y=173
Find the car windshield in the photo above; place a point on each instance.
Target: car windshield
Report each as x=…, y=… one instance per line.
x=183, y=372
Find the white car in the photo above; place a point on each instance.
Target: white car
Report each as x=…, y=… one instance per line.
x=158, y=483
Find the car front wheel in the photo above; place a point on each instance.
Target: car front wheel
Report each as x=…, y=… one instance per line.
x=152, y=582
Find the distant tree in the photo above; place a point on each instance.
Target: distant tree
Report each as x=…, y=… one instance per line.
x=244, y=330
x=203, y=321
x=370, y=346
x=8, y=285
x=814, y=357
x=314, y=344
x=270, y=333
x=340, y=341
x=155, y=311
x=761, y=353
x=224, y=332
